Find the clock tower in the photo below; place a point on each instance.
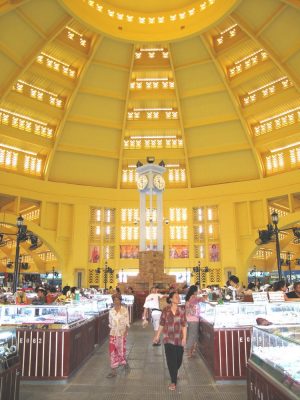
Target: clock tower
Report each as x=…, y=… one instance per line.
x=151, y=184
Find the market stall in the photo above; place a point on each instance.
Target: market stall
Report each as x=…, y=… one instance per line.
x=226, y=331
x=274, y=364
x=53, y=340
x=9, y=365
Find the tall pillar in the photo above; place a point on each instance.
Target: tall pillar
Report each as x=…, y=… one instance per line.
x=142, y=221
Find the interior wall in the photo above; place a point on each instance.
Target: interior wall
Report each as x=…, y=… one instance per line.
x=65, y=217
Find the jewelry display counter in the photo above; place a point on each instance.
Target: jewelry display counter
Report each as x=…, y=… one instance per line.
x=53, y=341
x=274, y=364
x=226, y=331
x=9, y=365
x=127, y=300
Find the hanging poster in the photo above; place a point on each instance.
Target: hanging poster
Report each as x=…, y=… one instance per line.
x=94, y=254
x=214, y=252
x=179, y=251
x=129, y=251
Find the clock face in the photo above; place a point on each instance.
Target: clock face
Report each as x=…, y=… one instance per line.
x=159, y=182
x=142, y=182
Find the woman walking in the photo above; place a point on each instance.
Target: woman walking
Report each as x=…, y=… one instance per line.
x=192, y=316
x=119, y=324
x=173, y=326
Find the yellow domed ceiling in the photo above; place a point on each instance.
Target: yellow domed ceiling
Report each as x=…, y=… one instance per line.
x=150, y=20
x=82, y=100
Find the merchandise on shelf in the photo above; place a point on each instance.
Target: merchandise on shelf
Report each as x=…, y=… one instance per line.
x=275, y=359
x=235, y=314
x=8, y=348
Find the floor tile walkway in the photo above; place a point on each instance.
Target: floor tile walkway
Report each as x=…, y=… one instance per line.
x=147, y=379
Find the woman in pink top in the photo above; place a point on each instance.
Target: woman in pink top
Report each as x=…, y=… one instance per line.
x=192, y=316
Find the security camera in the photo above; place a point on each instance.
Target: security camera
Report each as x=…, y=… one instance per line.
x=136, y=222
x=166, y=221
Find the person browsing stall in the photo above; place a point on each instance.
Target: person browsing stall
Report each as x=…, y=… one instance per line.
x=119, y=325
x=192, y=316
x=295, y=294
x=151, y=306
x=173, y=326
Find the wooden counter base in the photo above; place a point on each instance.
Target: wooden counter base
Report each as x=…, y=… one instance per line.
x=55, y=353
x=225, y=350
x=10, y=383
x=261, y=386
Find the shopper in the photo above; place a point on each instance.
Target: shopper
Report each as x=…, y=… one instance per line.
x=235, y=284
x=152, y=309
x=192, y=316
x=280, y=286
x=173, y=326
x=119, y=324
x=41, y=297
x=295, y=294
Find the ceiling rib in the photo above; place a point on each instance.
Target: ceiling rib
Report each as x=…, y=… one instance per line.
x=235, y=103
x=32, y=24
x=192, y=64
x=27, y=63
x=271, y=19
x=186, y=159
x=69, y=106
x=293, y=3
x=261, y=43
x=124, y=123
x=9, y=54
x=8, y=6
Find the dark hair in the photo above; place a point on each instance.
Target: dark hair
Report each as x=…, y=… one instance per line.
x=193, y=289
x=234, y=279
x=73, y=288
x=40, y=289
x=251, y=286
x=116, y=296
x=278, y=285
x=296, y=284
x=170, y=297
x=65, y=290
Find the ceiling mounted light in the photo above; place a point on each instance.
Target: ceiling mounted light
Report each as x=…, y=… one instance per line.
x=35, y=242
x=265, y=236
x=150, y=159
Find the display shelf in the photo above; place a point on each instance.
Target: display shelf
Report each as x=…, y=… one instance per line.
x=237, y=314
x=65, y=316
x=54, y=353
x=226, y=331
x=274, y=365
x=54, y=340
x=9, y=365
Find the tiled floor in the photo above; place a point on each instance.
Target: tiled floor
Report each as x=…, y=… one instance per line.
x=147, y=378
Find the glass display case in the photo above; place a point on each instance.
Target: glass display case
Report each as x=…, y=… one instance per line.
x=93, y=306
x=8, y=348
x=276, y=354
x=236, y=314
x=127, y=299
x=23, y=315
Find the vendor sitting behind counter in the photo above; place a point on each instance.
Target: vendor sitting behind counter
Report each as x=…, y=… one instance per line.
x=41, y=297
x=295, y=294
x=234, y=283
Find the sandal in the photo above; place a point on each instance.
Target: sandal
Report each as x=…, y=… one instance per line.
x=172, y=386
x=111, y=375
